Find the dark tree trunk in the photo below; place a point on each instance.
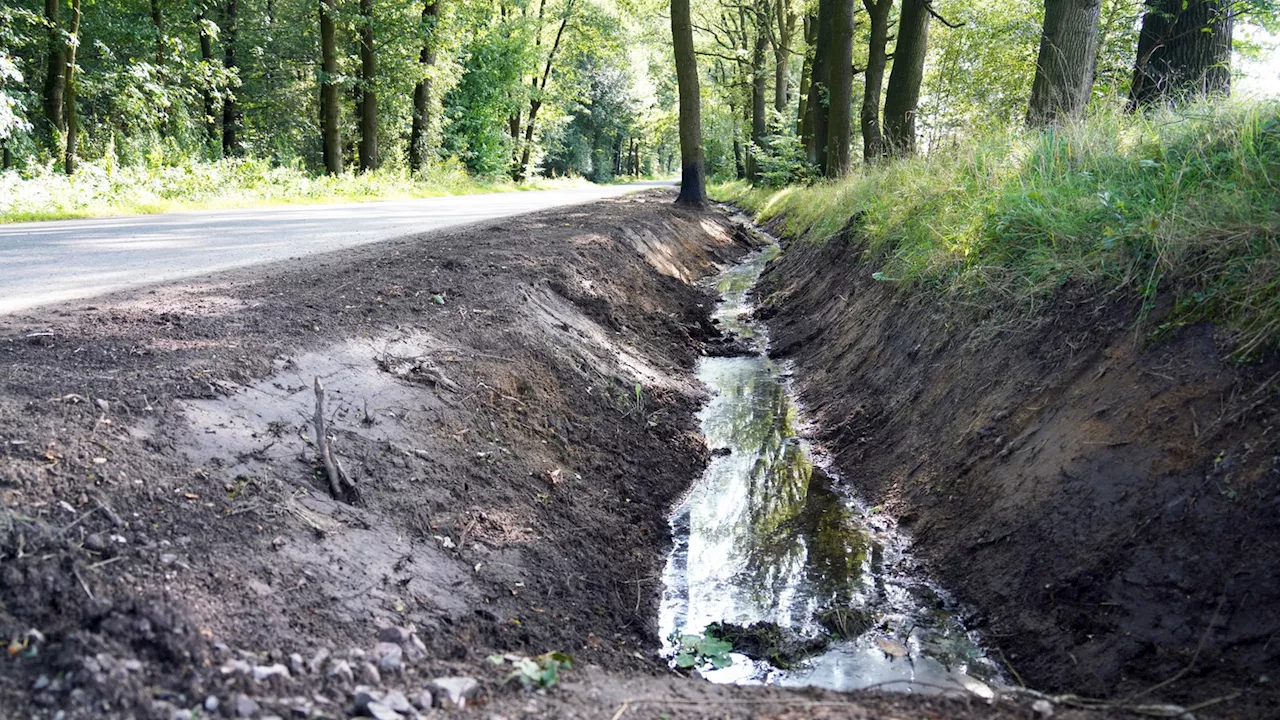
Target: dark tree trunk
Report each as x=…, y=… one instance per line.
x=693, y=181
x=56, y=75
x=231, y=146
x=1184, y=52
x=419, y=152
x=368, y=91
x=6, y=157
x=69, y=103
x=1064, y=66
x=782, y=55
x=535, y=101
x=872, y=137
x=157, y=20
x=759, y=88
x=206, y=93
x=804, y=126
x=819, y=107
x=902, y=97
x=331, y=133
x=841, y=92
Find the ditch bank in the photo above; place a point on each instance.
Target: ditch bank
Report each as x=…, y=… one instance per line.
x=1107, y=506
x=514, y=404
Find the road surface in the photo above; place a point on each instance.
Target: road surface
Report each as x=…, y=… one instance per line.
x=46, y=262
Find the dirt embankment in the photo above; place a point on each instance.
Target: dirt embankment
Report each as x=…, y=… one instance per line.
x=515, y=403
x=1109, y=506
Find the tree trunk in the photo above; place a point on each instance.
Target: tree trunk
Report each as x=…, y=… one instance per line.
x=331, y=133
x=759, y=87
x=535, y=102
x=157, y=20
x=803, y=121
x=55, y=78
x=69, y=103
x=206, y=92
x=782, y=55
x=902, y=97
x=841, y=92
x=1184, y=52
x=693, y=181
x=369, y=92
x=819, y=107
x=1064, y=66
x=872, y=137
x=419, y=152
x=230, y=109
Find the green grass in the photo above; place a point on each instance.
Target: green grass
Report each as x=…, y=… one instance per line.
x=100, y=189
x=1183, y=206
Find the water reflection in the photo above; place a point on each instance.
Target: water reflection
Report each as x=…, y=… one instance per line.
x=765, y=535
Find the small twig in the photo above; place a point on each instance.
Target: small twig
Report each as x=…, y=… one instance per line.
x=83, y=584
x=1194, y=656
x=340, y=484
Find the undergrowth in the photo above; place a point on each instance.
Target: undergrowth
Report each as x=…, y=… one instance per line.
x=1182, y=206
x=102, y=188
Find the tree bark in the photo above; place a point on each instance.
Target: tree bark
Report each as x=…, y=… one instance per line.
x=535, y=101
x=693, y=181
x=331, y=133
x=369, y=91
x=902, y=97
x=55, y=78
x=419, y=152
x=759, y=88
x=231, y=146
x=1064, y=65
x=803, y=121
x=841, y=93
x=157, y=20
x=872, y=137
x=206, y=92
x=1184, y=52
x=815, y=140
x=782, y=55
x=69, y=103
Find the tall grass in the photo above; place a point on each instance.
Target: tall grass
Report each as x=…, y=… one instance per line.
x=1184, y=205
x=101, y=188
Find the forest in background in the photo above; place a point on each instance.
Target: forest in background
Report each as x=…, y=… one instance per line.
x=190, y=99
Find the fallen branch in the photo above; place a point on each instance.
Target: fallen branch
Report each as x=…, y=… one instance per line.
x=340, y=484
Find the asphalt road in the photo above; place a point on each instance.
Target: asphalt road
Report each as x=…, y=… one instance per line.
x=47, y=262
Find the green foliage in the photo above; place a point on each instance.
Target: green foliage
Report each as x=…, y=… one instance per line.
x=1185, y=205
x=537, y=673
x=695, y=651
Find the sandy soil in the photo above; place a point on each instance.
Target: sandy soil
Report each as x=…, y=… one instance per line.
x=514, y=404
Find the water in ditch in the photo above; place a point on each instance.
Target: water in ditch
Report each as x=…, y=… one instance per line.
x=767, y=535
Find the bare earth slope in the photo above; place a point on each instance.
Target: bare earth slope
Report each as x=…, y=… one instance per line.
x=1108, y=504
x=167, y=531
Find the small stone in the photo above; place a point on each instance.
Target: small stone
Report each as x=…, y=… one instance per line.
x=41, y=683
x=211, y=704
x=236, y=667
x=132, y=665
x=393, y=634
x=416, y=650
x=262, y=672
x=363, y=695
x=341, y=669
x=454, y=692
x=397, y=701
x=168, y=559
x=369, y=673
x=95, y=542
x=378, y=711
x=246, y=707
x=317, y=660
x=1043, y=708
x=296, y=665
x=422, y=700
x=390, y=657
x=102, y=404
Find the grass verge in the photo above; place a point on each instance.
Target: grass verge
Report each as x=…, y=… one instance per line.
x=101, y=189
x=1184, y=206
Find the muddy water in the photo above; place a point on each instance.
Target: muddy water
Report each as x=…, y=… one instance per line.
x=767, y=535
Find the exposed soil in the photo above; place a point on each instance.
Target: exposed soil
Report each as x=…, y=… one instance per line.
x=1107, y=505
x=515, y=404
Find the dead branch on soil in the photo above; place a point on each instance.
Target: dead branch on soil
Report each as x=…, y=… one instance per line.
x=340, y=484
